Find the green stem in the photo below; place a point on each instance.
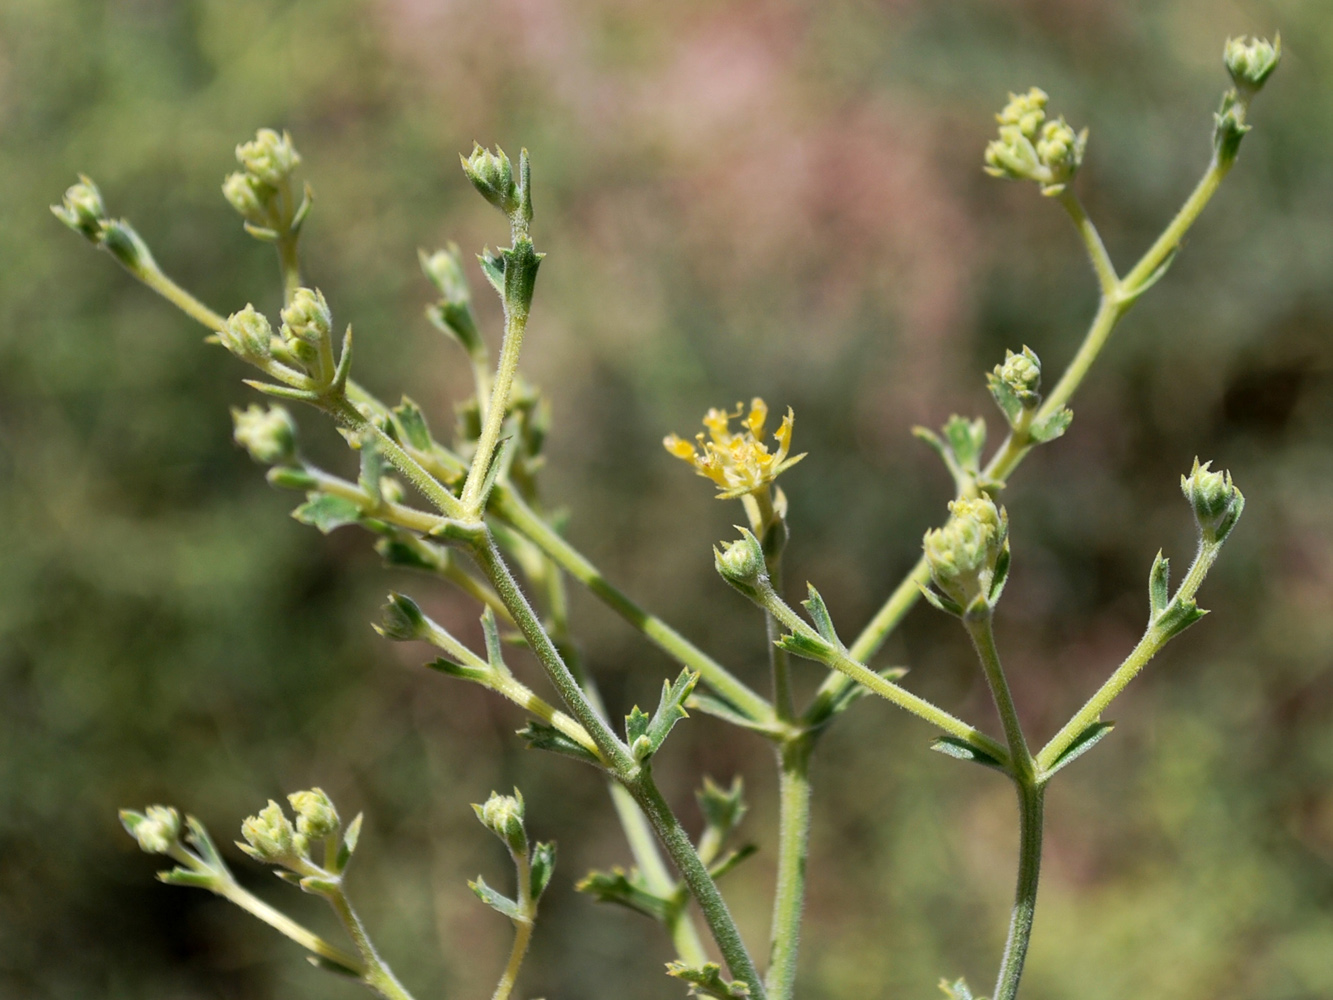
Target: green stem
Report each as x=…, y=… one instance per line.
x=1031, y=798
x=983, y=640
x=378, y=976
x=290, y=263
x=522, y=929
x=686, y=859
x=495, y=569
x=794, y=794
x=1167, y=243
x=285, y=925
x=1152, y=642
x=771, y=531
x=515, y=324
x=506, y=502
x=840, y=660
x=180, y=298
x=1092, y=240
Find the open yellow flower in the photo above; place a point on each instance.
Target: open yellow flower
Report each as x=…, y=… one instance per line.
x=739, y=463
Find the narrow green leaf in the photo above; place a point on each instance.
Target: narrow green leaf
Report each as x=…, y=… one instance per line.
x=329, y=965
x=731, y=859
x=1051, y=427
x=542, y=868
x=493, y=899
x=1083, y=742
x=494, y=648
x=185, y=877
x=1159, y=579
x=1179, y=615
x=952, y=746
x=540, y=736
x=806, y=647
x=410, y=425
x=670, y=708
x=722, y=808
x=707, y=981
x=818, y=611
x=636, y=724
x=628, y=890
x=1009, y=404
x=966, y=439
x=709, y=704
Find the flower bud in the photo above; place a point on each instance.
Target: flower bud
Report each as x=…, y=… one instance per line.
x=1060, y=150
x=82, y=209
x=444, y=268
x=741, y=563
x=493, y=176
x=1025, y=111
x=156, y=829
x=964, y=554
x=1216, y=501
x=307, y=318
x=503, y=816
x=248, y=335
x=1012, y=155
x=1251, y=61
x=1021, y=375
x=402, y=620
x=270, y=157
x=268, y=435
x=243, y=192
x=315, y=816
x=270, y=836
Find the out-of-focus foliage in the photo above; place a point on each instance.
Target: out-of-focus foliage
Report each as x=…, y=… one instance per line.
x=773, y=198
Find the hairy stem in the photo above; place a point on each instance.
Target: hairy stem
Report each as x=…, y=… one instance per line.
x=983, y=640
x=522, y=929
x=506, y=502
x=794, y=794
x=378, y=976
x=686, y=859
x=1031, y=798
x=515, y=324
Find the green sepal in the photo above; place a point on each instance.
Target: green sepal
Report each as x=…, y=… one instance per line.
x=1000, y=575
x=707, y=981
x=1050, y=427
x=193, y=880
x=540, y=736
x=348, y=846
x=966, y=440
x=410, y=426
x=317, y=886
x=628, y=890
x=1009, y=403
x=1179, y=615
x=722, y=808
x=936, y=599
x=1159, y=578
x=806, y=646
x=818, y=611
x=952, y=746
x=731, y=859
x=1083, y=742
x=462, y=671
x=542, y=867
x=493, y=266
x=493, y=899
x=328, y=965
x=282, y=391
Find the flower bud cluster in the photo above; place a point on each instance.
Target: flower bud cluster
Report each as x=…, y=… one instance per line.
x=157, y=828
x=493, y=176
x=83, y=210
x=248, y=335
x=967, y=553
x=269, y=435
x=307, y=319
x=1032, y=148
x=741, y=563
x=272, y=838
x=268, y=161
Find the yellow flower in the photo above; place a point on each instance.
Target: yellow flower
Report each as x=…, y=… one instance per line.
x=739, y=463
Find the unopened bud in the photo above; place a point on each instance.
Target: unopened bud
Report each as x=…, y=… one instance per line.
x=248, y=335
x=315, y=816
x=444, y=268
x=493, y=175
x=156, y=829
x=270, y=836
x=402, y=620
x=503, y=816
x=269, y=435
x=1216, y=501
x=82, y=208
x=1021, y=375
x=243, y=192
x=1060, y=150
x=1025, y=111
x=963, y=555
x=270, y=157
x=741, y=563
x=307, y=318
x=1251, y=61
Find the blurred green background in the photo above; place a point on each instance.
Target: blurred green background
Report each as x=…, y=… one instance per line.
x=740, y=198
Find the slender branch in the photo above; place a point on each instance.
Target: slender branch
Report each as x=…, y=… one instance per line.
x=516, y=322
x=686, y=859
x=494, y=568
x=1152, y=642
x=1092, y=240
x=1169, y=241
x=794, y=793
x=378, y=975
x=522, y=929
x=506, y=503
x=1031, y=803
x=983, y=640
x=157, y=280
